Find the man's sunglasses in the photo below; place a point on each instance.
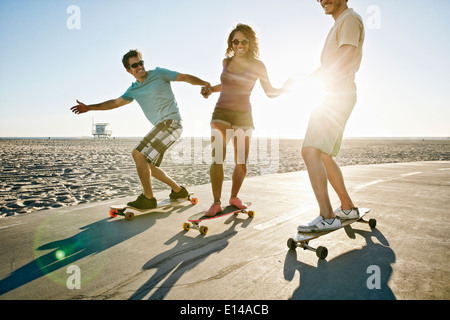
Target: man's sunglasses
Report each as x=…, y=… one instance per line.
x=244, y=42
x=137, y=64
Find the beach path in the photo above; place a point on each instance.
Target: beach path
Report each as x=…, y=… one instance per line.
x=80, y=253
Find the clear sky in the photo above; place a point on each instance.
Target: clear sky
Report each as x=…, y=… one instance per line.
x=45, y=63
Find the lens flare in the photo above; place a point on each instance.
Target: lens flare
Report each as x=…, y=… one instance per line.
x=60, y=255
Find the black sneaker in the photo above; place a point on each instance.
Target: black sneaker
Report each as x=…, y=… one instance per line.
x=142, y=203
x=183, y=193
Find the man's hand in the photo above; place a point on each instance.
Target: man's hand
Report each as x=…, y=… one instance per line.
x=107, y=105
x=206, y=91
x=80, y=108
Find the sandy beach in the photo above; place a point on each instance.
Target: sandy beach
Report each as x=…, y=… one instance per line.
x=41, y=174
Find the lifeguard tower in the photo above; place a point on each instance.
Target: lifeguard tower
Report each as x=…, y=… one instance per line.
x=101, y=130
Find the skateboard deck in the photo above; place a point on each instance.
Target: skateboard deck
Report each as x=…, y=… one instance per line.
x=301, y=240
x=197, y=218
x=128, y=212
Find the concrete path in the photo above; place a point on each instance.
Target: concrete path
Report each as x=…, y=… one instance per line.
x=46, y=255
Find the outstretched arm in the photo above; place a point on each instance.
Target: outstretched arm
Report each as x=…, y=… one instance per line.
x=206, y=89
x=270, y=91
x=192, y=80
x=107, y=105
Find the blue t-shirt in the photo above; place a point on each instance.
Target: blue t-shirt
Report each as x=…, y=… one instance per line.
x=155, y=96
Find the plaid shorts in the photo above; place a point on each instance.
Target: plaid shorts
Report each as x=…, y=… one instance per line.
x=157, y=141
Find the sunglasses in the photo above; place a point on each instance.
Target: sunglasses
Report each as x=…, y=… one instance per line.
x=244, y=42
x=137, y=64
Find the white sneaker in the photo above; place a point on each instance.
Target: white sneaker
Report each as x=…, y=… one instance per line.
x=320, y=224
x=347, y=214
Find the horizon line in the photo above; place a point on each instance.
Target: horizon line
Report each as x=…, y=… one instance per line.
x=208, y=137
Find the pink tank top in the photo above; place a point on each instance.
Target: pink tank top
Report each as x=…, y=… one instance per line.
x=236, y=89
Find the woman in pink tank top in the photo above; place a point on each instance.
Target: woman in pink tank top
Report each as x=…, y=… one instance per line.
x=232, y=116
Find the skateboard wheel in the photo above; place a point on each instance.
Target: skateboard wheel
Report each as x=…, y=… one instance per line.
x=113, y=213
x=186, y=226
x=129, y=216
x=251, y=214
x=372, y=223
x=204, y=230
x=322, y=252
x=291, y=244
x=194, y=200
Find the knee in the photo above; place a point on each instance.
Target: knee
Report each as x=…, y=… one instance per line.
x=310, y=154
x=242, y=168
x=137, y=155
x=216, y=165
x=218, y=156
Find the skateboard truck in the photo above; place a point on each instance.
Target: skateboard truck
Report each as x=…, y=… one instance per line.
x=302, y=239
x=196, y=226
x=321, y=252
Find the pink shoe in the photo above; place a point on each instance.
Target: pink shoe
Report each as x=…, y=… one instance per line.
x=237, y=203
x=215, y=209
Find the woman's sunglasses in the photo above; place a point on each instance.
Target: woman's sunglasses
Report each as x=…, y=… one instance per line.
x=244, y=42
x=137, y=64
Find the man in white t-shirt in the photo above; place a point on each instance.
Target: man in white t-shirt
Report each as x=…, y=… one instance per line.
x=340, y=60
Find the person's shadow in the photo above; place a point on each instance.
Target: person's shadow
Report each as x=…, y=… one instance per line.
x=356, y=275
x=92, y=239
x=184, y=256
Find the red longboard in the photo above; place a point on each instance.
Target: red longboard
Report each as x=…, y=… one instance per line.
x=197, y=218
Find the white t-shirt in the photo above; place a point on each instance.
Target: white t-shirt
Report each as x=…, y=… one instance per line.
x=348, y=29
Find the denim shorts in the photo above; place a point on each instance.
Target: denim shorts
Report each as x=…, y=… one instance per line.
x=236, y=119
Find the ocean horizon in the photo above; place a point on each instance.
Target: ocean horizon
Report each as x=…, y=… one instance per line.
x=37, y=174
x=205, y=137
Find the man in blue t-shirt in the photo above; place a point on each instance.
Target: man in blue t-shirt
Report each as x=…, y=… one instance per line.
x=154, y=94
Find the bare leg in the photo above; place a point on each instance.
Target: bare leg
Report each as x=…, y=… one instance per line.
x=219, y=144
x=336, y=179
x=318, y=178
x=143, y=171
x=216, y=175
x=160, y=175
x=240, y=168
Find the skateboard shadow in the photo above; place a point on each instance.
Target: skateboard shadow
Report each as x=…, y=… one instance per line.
x=92, y=239
x=184, y=256
x=350, y=276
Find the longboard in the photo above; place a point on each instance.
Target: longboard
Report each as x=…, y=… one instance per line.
x=197, y=218
x=301, y=240
x=128, y=212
